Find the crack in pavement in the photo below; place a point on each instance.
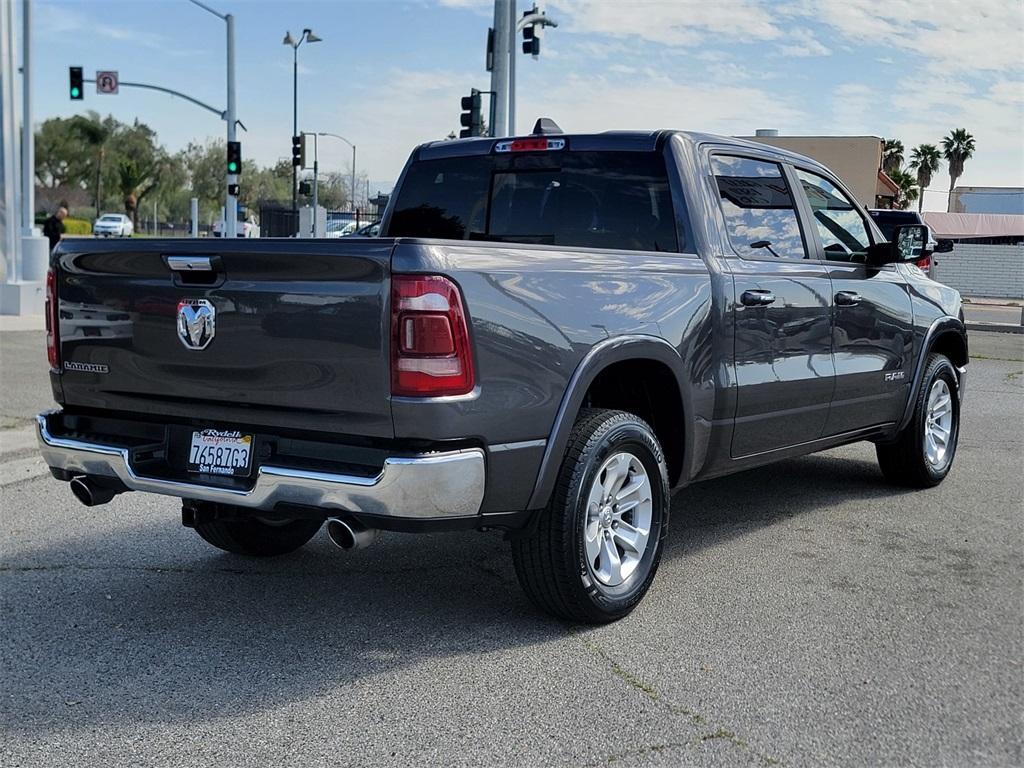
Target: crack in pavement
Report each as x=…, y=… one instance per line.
x=695, y=718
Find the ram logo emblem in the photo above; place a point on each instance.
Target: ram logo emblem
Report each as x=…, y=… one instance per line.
x=196, y=323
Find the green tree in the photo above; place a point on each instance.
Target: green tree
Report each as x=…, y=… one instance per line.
x=59, y=160
x=957, y=148
x=892, y=156
x=907, y=184
x=206, y=172
x=924, y=159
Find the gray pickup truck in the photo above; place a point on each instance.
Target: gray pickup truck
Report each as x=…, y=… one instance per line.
x=551, y=334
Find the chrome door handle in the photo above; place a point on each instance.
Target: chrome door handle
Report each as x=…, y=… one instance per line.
x=847, y=299
x=757, y=298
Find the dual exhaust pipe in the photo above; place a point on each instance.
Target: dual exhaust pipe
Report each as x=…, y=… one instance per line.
x=344, y=532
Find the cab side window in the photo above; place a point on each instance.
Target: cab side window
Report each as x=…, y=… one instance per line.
x=843, y=232
x=760, y=215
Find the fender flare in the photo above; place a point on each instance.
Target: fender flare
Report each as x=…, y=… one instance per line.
x=939, y=327
x=601, y=355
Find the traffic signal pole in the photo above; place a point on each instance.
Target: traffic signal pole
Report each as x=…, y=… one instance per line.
x=503, y=42
x=231, y=208
x=230, y=201
x=28, y=171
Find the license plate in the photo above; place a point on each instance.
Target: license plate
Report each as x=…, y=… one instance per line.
x=217, y=452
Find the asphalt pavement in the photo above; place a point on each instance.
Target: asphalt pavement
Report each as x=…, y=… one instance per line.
x=805, y=614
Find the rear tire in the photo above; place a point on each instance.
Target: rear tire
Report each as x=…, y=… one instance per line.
x=256, y=538
x=923, y=452
x=596, y=547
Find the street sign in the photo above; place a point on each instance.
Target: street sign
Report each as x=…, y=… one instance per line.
x=106, y=82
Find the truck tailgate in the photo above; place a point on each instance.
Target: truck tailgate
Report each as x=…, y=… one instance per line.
x=299, y=332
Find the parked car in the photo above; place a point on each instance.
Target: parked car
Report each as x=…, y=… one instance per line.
x=247, y=227
x=552, y=334
x=113, y=225
x=369, y=230
x=340, y=228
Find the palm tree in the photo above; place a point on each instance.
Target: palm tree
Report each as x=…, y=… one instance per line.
x=907, y=183
x=95, y=132
x=136, y=180
x=892, y=156
x=924, y=158
x=957, y=148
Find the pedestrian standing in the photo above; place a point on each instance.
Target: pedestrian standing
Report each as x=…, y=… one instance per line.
x=53, y=227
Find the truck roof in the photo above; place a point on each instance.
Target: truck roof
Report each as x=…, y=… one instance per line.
x=621, y=141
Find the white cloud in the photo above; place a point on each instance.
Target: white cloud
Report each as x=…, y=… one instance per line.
x=671, y=22
x=804, y=44
x=980, y=35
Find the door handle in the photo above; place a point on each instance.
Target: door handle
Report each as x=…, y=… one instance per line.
x=847, y=299
x=757, y=298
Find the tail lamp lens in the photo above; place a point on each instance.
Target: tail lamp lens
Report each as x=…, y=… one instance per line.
x=52, y=327
x=430, y=350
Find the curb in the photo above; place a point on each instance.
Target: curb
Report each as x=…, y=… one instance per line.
x=995, y=327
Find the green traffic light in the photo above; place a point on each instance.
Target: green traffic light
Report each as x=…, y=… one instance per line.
x=74, y=93
x=232, y=167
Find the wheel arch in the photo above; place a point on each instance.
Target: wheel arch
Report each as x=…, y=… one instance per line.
x=947, y=336
x=594, y=376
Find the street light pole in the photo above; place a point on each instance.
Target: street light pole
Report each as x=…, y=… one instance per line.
x=307, y=36
x=352, y=197
x=230, y=115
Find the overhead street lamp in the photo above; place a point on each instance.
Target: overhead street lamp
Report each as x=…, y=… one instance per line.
x=352, y=197
x=307, y=36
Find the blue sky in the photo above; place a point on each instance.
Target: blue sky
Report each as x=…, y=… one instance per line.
x=389, y=74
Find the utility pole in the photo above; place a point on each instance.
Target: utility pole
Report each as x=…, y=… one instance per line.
x=504, y=35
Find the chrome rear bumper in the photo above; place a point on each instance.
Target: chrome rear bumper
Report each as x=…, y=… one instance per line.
x=430, y=486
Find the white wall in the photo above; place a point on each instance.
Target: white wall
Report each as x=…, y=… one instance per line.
x=983, y=270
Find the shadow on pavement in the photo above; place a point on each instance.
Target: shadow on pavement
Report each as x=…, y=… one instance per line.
x=157, y=627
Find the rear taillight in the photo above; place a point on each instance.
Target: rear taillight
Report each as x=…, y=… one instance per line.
x=924, y=263
x=52, y=328
x=430, y=352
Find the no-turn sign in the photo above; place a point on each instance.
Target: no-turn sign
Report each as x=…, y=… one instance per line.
x=106, y=82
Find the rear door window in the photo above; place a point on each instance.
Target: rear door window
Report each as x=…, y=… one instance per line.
x=617, y=200
x=760, y=215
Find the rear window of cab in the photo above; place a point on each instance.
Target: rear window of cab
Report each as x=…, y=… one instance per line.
x=597, y=199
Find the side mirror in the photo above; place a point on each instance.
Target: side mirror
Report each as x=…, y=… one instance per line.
x=908, y=245
x=944, y=246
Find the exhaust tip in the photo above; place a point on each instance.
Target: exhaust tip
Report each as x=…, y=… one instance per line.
x=349, y=533
x=90, y=494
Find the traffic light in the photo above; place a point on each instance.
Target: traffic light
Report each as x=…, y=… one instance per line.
x=471, y=118
x=298, y=151
x=233, y=190
x=532, y=32
x=234, y=157
x=75, y=90
x=531, y=43
x=305, y=188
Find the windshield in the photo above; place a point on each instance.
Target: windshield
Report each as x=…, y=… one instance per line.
x=615, y=200
x=110, y=217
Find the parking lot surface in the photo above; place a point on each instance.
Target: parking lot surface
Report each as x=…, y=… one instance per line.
x=805, y=614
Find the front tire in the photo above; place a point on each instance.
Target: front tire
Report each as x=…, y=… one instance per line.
x=596, y=547
x=923, y=452
x=256, y=538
